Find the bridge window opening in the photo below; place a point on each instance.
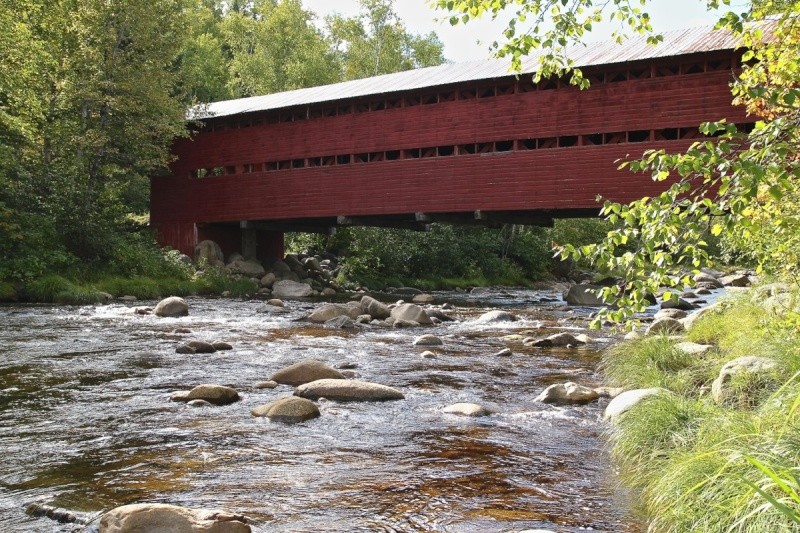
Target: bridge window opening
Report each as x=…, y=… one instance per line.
x=346, y=109
x=484, y=148
x=199, y=173
x=567, y=140
x=449, y=96
x=299, y=115
x=747, y=128
x=361, y=158
x=467, y=94
x=394, y=103
x=548, y=84
x=503, y=146
x=377, y=106
x=721, y=64
x=315, y=113
x=613, y=77
x=245, y=123
x=504, y=90
x=343, y=159
x=617, y=137
x=329, y=111
x=272, y=119
x=298, y=163
x=286, y=164
x=271, y=165
x=593, y=138
x=230, y=170
x=428, y=152
x=486, y=92
x=328, y=160
x=376, y=156
x=466, y=148
x=217, y=126
x=315, y=161
x=258, y=121
x=413, y=99
x=692, y=68
x=217, y=171
x=392, y=155
x=428, y=99
x=639, y=73
x=638, y=136
x=689, y=133
x=667, y=134
x=411, y=153
x=526, y=85
x=362, y=107
x=595, y=78
x=527, y=144
x=285, y=117
x=233, y=125
x=667, y=70
x=547, y=142
x=247, y=168
x=444, y=151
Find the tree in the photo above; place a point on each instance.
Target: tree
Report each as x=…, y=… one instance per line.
x=738, y=185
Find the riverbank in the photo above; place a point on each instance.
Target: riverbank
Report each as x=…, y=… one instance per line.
x=715, y=447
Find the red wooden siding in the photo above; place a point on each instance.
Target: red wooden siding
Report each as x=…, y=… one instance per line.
x=520, y=180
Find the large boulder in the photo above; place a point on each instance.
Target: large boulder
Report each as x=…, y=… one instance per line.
x=286, y=288
x=305, y=371
x=565, y=393
x=693, y=348
x=706, y=278
x=735, y=280
x=172, y=306
x=249, y=268
x=164, y=518
x=677, y=302
x=411, y=313
x=584, y=295
x=666, y=326
x=753, y=365
x=329, y=311
x=289, y=410
x=374, y=308
x=209, y=252
x=625, y=401
x=496, y=316
x=677, y=314
x=348, y=390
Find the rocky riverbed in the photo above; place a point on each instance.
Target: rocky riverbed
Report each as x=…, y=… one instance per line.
x=468, y=443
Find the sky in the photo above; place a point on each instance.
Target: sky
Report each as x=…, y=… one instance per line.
x=472, y=41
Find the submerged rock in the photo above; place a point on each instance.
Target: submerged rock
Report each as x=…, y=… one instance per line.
x=428, y=340
x=345, y=390
x=467, y=409
x=212, y=393
x=289, y=410
x=164, y=518
x=497, y=316
x=305, y=371
x=558, y=339
x=171, y=307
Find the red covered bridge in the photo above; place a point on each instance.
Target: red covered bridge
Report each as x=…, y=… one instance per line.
x=463, y=143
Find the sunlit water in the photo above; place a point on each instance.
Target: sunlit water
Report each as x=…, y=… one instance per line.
x=86, y=423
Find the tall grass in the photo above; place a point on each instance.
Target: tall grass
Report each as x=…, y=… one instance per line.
x=700, y=466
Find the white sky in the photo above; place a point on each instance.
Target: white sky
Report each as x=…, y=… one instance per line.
x=471, y=41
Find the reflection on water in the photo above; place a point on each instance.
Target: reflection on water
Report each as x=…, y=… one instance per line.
x=86, y=424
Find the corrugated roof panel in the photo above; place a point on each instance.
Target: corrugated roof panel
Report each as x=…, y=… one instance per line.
x=676, y=42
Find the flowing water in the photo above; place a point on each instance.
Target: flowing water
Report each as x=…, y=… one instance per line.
x=86, y=423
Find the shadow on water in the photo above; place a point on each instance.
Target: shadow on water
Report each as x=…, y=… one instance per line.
x=86, y=422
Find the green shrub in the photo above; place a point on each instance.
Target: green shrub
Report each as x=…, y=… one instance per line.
x=45, y=289
x=7, y=292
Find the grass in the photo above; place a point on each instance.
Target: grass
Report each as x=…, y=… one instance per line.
x=702, y=466
x=7, y=292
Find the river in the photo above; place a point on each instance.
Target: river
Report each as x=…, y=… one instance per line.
x=86, y=423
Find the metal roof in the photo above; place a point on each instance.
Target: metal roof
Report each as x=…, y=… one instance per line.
x=675, y=43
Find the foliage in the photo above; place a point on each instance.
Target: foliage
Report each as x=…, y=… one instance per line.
x=699, y=466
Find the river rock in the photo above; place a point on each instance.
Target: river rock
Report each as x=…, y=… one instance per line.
x=428, y=340
x=346, y=390
x=291, y=289
x=210, y=252
x=329, y=311
x=665, y=326
x=742, y=365
x=216, y=394
x=328, y=291
x=558, y=339
x=201, y=346
x=609, y=392
x=427, y=354
x=735, y=280
x=199, y=403
x=410, y=313
x=340, y=322
x=422, y=298
x=583, y=295
x=171, y=307
x=268, y=384
x=304, y=372
x=276, y=302
x=677, y=302
x=374, y=308
x=439, y=315
x=289, y=410
x=564, y=393
x=268, y=280
x=164, y=518
x=632, y=336
x=505, y=352
x=496, y=316
x=693, y=348
x=185, y=349
x=677, y=314
x=249, y=268
x=221, y=345
x=627, y=400
x=467, y=409
x=692, y=318
x=703, y=277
